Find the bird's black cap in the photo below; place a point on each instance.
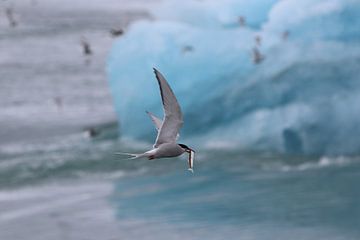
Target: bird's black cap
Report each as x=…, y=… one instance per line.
x=184, y=146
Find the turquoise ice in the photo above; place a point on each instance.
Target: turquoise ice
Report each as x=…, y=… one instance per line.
x=302, y=99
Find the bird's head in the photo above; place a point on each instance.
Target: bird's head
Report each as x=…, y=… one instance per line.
x=191, y=153
x=186, y=148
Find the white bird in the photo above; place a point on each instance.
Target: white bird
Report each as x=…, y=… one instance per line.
x=168, y=129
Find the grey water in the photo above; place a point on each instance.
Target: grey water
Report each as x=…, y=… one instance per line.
x=58, y=183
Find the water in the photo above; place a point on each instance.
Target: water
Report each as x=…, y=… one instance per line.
x=58, y=183
x=79, y=189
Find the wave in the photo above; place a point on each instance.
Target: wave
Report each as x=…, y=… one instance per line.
x=73, y=156
x=323, y=162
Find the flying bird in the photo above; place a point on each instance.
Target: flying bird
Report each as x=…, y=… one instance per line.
x=242, y=21
x=187, y=48
x=168, y=129
x=258, y=40
x=285, y=35
x=86, y=46
x=10, y=16
x=116, y=32
x=257, y=56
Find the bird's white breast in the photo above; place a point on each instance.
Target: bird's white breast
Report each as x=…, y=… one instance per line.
x=168, y=150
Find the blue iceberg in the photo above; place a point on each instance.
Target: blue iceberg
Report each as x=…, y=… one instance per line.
x=302, y=98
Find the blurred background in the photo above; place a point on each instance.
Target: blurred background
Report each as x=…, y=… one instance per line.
x=270, y=92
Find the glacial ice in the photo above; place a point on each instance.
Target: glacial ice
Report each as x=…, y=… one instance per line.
x=304, y=98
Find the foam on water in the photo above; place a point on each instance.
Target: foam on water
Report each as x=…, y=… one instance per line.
x=323, y=162
x=62, y=157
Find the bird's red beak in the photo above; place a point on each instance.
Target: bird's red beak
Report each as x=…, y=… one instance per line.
x=190, y=150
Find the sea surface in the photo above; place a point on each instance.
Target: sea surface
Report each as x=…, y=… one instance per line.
x=57, y=183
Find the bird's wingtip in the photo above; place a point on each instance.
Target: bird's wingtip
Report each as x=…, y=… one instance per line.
x=157, y=73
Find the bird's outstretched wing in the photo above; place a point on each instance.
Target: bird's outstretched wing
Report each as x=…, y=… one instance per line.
x=173, y=119
x=157, y=121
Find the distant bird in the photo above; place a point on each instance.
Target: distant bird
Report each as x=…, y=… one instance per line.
x=168, y=129
x=242, y=21
x=257, y=56
x=91, y=132
x=258, y=40
x=116, y=32
x=10, y=16
x=187, y=49
x=86, y=47
x=58, y=102
x=285, y=35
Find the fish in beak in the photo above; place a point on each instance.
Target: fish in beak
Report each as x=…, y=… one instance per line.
x=191, y=160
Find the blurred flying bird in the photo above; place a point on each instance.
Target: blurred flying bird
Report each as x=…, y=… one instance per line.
x=257, y=56
x=242, y=21
x=187, y=48
x=91, y=132
x=285, y=35
x=168, y=129
x=58, y=102
x=258, y=40
x=86, y=46
x=10, y=16
x=116, y=32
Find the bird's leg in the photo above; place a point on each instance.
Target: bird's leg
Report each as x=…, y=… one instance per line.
x=151, y=157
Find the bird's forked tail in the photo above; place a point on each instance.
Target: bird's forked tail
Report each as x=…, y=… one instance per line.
x=131, y=155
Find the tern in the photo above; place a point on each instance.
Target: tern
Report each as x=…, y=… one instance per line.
x=257, y=56
x=168, y=129
x=10, y=16
x=86, y=46
x=116, y=32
